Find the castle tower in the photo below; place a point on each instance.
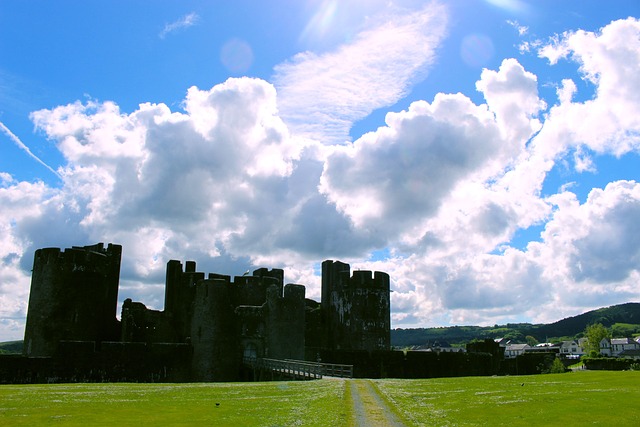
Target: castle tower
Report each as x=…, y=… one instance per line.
x=285, y=323
x=334, y=274
x=214, y=333
x=74, y=295
x=356, y=309
x=179, y=292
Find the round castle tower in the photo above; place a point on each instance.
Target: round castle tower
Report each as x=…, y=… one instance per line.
x=74, y=294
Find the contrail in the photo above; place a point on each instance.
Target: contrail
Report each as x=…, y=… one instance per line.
x=22, y=146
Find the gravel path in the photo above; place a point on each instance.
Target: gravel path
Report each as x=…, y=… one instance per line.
x=369, y=407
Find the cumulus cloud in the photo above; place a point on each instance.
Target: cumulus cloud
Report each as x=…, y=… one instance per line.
x=422, y=166
x=20, y=203
x=609, y=123
x=403, y=171
x=603, y=238
x=586, y=256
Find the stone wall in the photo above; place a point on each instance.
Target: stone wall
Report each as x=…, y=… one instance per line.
x=85, y=361
x=412, y=364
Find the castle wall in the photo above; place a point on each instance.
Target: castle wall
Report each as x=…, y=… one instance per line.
x=140, y=324
x=73, y=297
x=83, y=361
x=252, y=290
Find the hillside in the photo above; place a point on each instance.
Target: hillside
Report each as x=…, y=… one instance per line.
x=623, y=319
x=11, y=347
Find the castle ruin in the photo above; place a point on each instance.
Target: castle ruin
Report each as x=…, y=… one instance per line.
x=210, y=323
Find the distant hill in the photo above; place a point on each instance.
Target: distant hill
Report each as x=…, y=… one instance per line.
x=11, y=347
x=623, y=319
x=609, y=316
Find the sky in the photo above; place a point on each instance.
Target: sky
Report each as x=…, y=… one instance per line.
x=483, y=153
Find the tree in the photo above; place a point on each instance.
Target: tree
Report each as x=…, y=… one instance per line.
x=557, y=367
x=594, y=334
x=531, y=340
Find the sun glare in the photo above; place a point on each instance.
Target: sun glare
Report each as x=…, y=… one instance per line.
x=510, y=5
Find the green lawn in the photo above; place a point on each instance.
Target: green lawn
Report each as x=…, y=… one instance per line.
x=316, y=403
x=578, y=398
x=605, y=398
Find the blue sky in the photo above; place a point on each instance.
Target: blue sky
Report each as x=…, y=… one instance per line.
x=483, y=153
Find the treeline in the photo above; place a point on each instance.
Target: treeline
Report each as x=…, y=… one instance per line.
x=11, y=347
x=623, y=320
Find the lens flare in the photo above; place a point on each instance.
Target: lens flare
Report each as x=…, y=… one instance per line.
x=237, y=56
x=477, y=50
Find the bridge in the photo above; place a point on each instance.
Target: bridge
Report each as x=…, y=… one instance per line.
x=272, y=369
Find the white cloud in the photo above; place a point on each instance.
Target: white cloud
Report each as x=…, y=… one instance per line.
x=511, y=93
x=610, y=122
x=186, y=21
x=606, y=248
x=521, y=29
x=21, y=203
x=432, y=161
x=391, y=178
x=321, y=96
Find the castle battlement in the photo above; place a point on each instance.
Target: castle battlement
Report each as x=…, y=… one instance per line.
x=82, y=257
x=340, y=276
x=369, y=279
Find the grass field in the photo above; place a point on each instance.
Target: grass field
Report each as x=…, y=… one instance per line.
x=315, y=403
x=579, y=398
x=604, y=398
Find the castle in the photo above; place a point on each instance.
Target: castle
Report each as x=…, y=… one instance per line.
x=210, y=323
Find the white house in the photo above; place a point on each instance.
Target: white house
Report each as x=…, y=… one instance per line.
x=571, y=349
x=515, y=350
x=614, y=346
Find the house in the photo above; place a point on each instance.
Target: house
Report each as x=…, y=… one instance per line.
x=572, y=349
x=438, y=347
x=545, y=347
x=630, y=354
x=502, y=342
x=614, y=347
x=515, y=350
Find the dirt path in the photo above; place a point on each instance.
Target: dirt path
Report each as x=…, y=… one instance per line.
x=369, y=408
